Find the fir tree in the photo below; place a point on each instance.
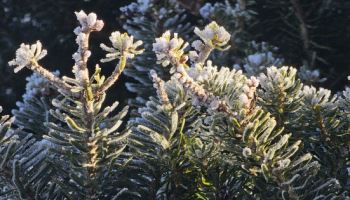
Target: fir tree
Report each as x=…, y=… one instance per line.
x=219, y=137
x=83, y=147
x=208, y=132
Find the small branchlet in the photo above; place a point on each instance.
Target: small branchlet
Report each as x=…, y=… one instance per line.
x=213, y=37
x=158, y=84
x=123, y=48
x=28, y=56
x=171, y=51
x=88, y=24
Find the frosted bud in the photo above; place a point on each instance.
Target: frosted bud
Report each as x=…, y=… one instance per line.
x=247, y=152
x=121, y=44
x=256, y=59
x=27, y=54
x=168, y=49
x=214, y=35
x=91, y=19
x=87, y=54
x=162, y=43
x=89, y=22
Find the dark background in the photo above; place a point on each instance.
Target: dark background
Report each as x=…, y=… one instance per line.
x=52, y=22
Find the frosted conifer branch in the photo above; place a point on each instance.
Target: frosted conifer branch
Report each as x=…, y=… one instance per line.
x=88, y=24
x=28, y=56
x=171, y=51
x=121, y=43
x=213, y=36
x=123, y=48
x=158, y=84
x=209, y=99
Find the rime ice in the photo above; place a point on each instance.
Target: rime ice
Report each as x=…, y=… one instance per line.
x=27, y=54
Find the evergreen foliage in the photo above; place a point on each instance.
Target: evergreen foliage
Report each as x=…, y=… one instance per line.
x=147, y=20
x=200, y=130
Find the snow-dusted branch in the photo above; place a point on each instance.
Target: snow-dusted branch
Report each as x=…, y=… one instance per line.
x=28, y=56
x=158, y=84
x=88, y=24
x=123, y=47
x=171, y=51
x=213, y=37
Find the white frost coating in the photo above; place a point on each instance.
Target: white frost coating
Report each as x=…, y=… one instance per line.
x=36, y=85
x=321, y=97
x=167, y=49
x=27, y=54
x=200, y=74
x=213, y=35
x=122, y=44
x=261, y=58
x=193, y=55
x=310, y=75
x=249, y=90
x=277, y=76
x=88, y=22
x=143, y=5
x=243, y=98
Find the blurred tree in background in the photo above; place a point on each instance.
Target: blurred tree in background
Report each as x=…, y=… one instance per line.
x=315, y=34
